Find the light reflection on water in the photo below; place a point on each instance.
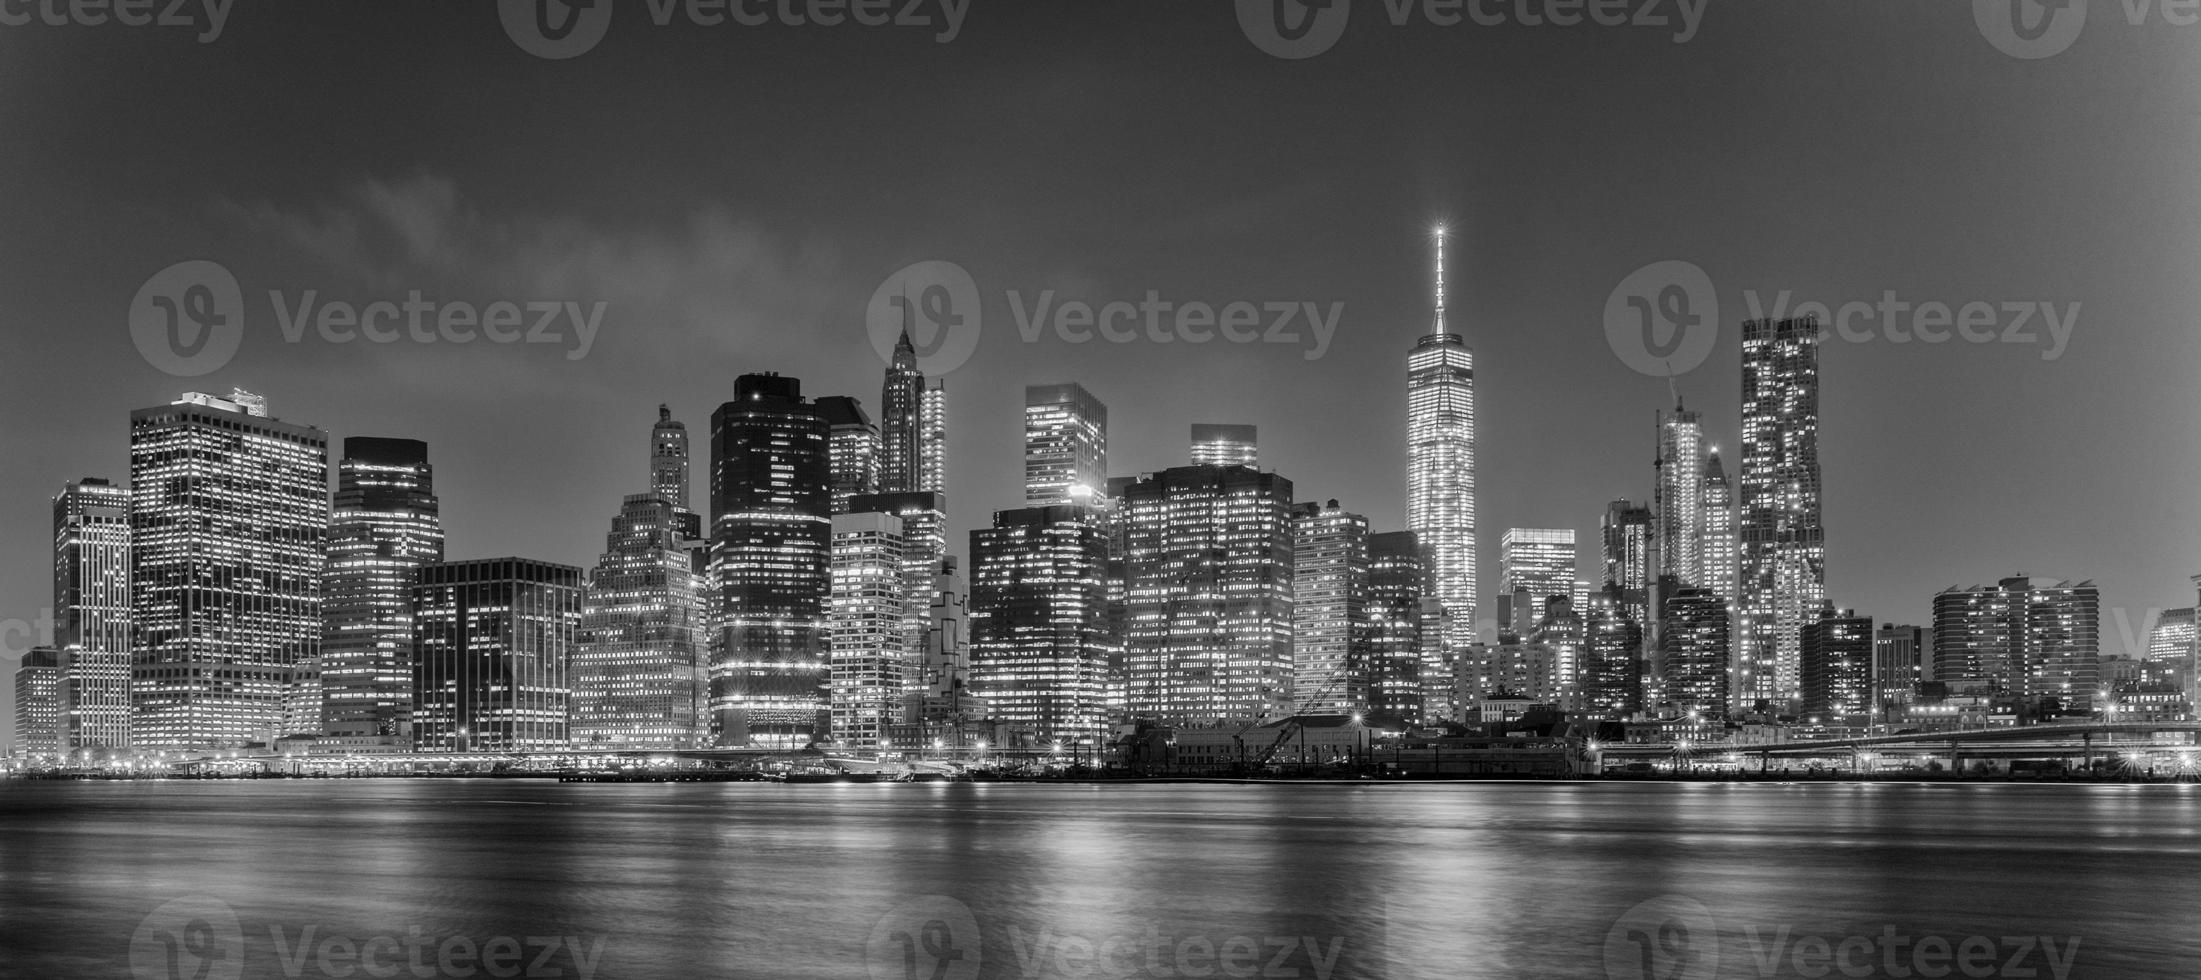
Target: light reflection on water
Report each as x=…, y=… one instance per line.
x=760, y=880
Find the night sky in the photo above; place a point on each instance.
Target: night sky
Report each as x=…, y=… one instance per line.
x=734, y=195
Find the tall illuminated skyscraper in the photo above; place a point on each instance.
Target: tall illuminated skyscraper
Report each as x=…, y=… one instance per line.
x=669, y=459
x=932, y=439
x=1065, y=446
x=229, y=521
x=1837, y=668
x=1038, y=621
x=1678, y=499
x=384, y=524
x=1396, y=578
x=1210, y=574
x=1534, y=564
x=493, y=639
x=92, y=613
x=1719, y=554
x=855, y=449
x=923, y=517
x=1440, y=471
x=1216, y=444
x=1783, y=544
x=1612, y=656
x=869, y=615
x=912, y=426
x=1330, y=625
x=1628, y=561
x=39, y=728
x=771, y=530
x=638, y=671
x=1694, y=652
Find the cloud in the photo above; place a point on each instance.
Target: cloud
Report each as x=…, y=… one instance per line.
x=710, y=285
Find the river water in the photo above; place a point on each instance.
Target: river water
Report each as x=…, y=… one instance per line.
x=503, y=878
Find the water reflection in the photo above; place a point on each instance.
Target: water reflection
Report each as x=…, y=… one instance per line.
x=839, y=882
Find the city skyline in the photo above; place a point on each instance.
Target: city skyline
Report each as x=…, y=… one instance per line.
x=1563, y=420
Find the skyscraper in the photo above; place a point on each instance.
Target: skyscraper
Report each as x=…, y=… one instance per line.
x=912, y=426
x=1612, y=657
x=638, y=672
x=1440, y=471
x=1694, y=653
x=1038, y=621
x=1837, y=651
x=2028, y=637
x=669, y=460
x=1783, y=544
x=1534, y=564
x=1396, y=577
x=771, y=528
x=384, y=524
x=1217, y=444
x=1898, y=653
x=1210, y=572
x=2170, y=649
x=1561, y=630
x=854, y=449
x=1330, y=625
x=229, y=519
x=1719, y=555
x=924, y=544
x=869, y=616
x=38, y=723
x=1627, y=531
x=493, y=639
x=932, y=439
x=1678, y=500
x=1065, y=446
x=942, y=701
x=91, y=529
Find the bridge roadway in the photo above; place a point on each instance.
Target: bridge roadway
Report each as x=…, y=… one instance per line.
x=2018, y=741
